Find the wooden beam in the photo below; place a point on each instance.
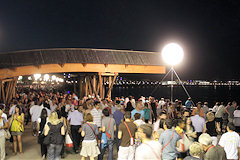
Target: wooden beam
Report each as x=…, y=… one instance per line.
x=3, y=94
x=9, y=83
x=111, y=86
x=103, y=88
x=100, y=84
x=78, y=67
x=81, y=91
x=0, y=89
x=14, y=88
x=86, y=87
x=10, y=92
x=89, y=85
x=94, y=84
x=74, y=86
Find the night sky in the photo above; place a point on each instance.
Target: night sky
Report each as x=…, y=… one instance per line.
x=208, y=30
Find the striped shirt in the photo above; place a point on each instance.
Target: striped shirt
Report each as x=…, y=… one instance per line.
x=97, y=116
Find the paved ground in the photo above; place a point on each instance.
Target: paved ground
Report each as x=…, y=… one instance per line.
x=31, y=149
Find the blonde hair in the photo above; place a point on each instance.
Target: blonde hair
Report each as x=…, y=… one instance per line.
x=196, y=149
x=210, y=116
x=53, y=118
x=1, y=112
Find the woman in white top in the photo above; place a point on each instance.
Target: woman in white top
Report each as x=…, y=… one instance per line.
x=3, y=125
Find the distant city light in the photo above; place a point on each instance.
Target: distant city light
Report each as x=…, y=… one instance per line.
x=20, y=78
x=46, y=77
x=54, y=77
x=36, y=76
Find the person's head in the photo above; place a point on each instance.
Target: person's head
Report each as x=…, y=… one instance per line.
x=210, y=116
x=186, y=113
x=188, y=121
x=89, y=117
x=230, y=127
x=75, y=107
x=105, y=112
x=206, y=103
x=1, y=112
x=199, y=105
x=119, y=107
x=18, y=109
x=168, y=124
x=196, y=149
x=206, y=140
x=139, y=105
x=45, y=104
x=97, y=105
x=181, y=123
x=145, y=131
x=80, y=108
x=234, y=104
x=43, y=113
x=127, y=115
x=161, y=123
x=53, y=118
x=163, y=115
x=146, y=105
x=137, y=116
x=2, y=107
x=197, y=112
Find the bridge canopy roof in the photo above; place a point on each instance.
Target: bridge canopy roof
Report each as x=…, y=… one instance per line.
x=78, y=55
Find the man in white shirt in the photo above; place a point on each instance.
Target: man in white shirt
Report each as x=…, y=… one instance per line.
x=231, y=142
x=198, y=124
x=35, y=112
x=97, y=114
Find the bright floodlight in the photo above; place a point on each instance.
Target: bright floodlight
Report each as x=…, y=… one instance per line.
x=36, y=76
x=20, y=78
x=54, y=77
x=46, y=77
x=172, y=53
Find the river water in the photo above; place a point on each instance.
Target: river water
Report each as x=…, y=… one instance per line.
x=211, y=94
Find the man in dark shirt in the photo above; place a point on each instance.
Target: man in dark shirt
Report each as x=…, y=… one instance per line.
x=126, y=149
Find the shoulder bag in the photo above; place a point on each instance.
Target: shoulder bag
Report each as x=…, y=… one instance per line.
x=131, y=138
x=108, y=135
x=93, y=131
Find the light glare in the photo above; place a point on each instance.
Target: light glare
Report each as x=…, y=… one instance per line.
x=36, y=76
x=172, y=53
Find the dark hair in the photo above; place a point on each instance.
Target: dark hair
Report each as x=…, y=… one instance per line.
x=117, y=102
x=45, y=104
x=128, y=115
x=2, y=106
x=147, y=129
x=137, y=116
x=161, y=122
x=162, y=113
x=105, y=112
x=96, y=103
x=145, y=104
x=19, y=108
x=44, y=113
x=231, y=126
x=169, y=123
x=179, y=121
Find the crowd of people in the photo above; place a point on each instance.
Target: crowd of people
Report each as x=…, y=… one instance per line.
x=140, y=129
